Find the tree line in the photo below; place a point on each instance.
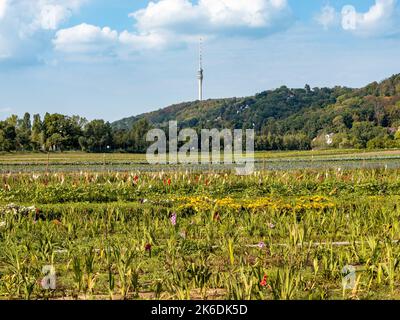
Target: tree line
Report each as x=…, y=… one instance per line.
x=57, y=132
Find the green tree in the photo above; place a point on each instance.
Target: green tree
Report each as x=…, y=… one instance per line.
x=37, y=133
x=62, y=132
x=8, y=134
x=23, y=132
x=362, y=132
x=97, y=136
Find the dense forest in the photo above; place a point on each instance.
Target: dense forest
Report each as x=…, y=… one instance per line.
x=284, y=119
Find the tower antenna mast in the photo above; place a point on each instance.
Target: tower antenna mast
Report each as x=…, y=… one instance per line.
x=200, y=75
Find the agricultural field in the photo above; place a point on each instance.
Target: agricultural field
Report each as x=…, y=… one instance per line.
x=150, y=233
x=120, y=162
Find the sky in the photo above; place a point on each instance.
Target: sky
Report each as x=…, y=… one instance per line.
x=114, y=59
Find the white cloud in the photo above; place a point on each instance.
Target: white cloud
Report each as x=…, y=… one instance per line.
x=380, y=19
x=50, y=16
x=85, y=38
x=211, y=15
x=3, y=8
x=327, y=17
x=173, y=23
x=252, y=14
x=24, y=24
x=166, y=14
x=144, y=41
x=103, y=42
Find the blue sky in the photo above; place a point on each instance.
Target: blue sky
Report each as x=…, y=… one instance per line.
x=113, y=59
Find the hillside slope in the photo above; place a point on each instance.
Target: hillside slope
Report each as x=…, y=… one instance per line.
x=238, y=112
x=353, y=116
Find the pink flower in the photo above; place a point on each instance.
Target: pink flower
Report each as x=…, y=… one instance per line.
x=173, y=219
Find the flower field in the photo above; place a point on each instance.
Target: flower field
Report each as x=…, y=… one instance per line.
x=210, y=235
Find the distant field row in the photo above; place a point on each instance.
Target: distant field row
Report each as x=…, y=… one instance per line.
x=117, y=162
x=73, y=157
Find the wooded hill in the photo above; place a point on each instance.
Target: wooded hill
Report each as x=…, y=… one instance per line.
x=297, y=118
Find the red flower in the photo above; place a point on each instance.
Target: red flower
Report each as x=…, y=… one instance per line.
x=263, y=282
x=136, y=179
x=169, y=182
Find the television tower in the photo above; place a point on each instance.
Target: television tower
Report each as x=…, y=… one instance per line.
x=200, y=75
